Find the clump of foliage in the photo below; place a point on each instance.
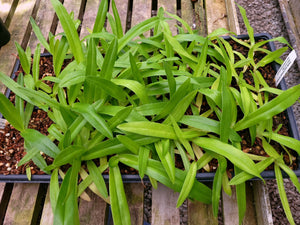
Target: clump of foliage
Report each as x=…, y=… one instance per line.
x=124, y=99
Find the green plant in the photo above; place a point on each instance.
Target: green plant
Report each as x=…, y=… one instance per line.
x=141, y=101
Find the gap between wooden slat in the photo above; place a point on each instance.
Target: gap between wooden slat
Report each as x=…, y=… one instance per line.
x=5, y=192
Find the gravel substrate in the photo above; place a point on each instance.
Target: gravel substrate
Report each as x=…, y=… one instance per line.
x=265, y=17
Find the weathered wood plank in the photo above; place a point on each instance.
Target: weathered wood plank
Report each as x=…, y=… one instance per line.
x=187, y=11
x=47, y=214
x=5, y=6
x=232, y=18
x=141, y=10
x=135, y=198
x=17, y=29
x=89, y=17
x=200, y=214
x=92, y=212
x=250, y=215
x=171, y=7
x=292, y=30
x=216, y=15
x=71, y=6
x=230, y=208
x=21, y=205
x=200, y=17
x=164, y=211
x=123, y=10
x=262, y=204
x=295, y=7
x=45, y=16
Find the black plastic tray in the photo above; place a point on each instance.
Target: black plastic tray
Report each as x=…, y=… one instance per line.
x=203, y=177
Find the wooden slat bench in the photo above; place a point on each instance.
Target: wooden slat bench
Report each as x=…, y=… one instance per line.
x=24, y=204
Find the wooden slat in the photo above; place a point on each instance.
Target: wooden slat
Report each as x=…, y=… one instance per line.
x=92, y=212
x=141, y=10
x=135, y=199
x=187, y=11
x=262, y=204
x=122, y=9
x=200, y=17
x=164, y=211
x=89, y=17
x=200, y=214
x=47, y=214
x=171, y=7
x=71, y=6
x=5, y=6
x=45, y=16
x=293, y=30
x=22, y=203
x=295, y=7
x=17, y=29
x=230, y=208
x=232, y=18
x=216, y=15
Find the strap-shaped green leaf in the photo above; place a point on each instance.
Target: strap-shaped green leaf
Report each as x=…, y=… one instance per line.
x=129, y=143
x=107, y=86
x=117, y=19
x=282, y=194
x=66, y=156
x=270, y=109
x=244, y=176
x=109, y=60
x=149, y=129
x=143, y=160
x=156, y=170
x=137, y=30
x=236, y=156
x=247, y=24
x=26, y=64
x=241, y=197
x=88, y=112
x=166, y=160
x=187, y=184
x=10, y=113
x=119, y=205
x=97, y=178
x=284, y=140
x=208, y=125
x=134, y=86
x=39, y=35
x=177, y=97
x=114, y=146
x=101, y=16
x=37, y=140
x=69, y=30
